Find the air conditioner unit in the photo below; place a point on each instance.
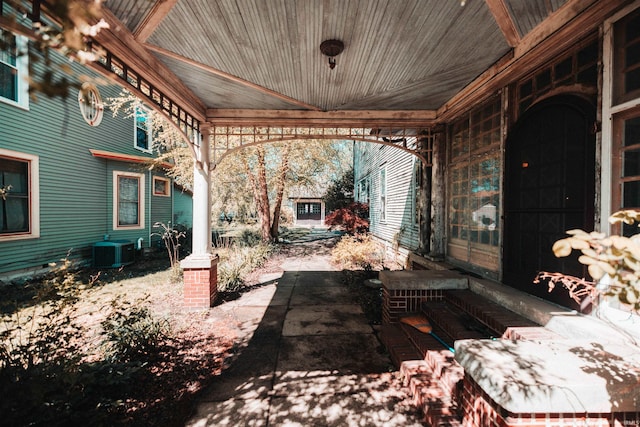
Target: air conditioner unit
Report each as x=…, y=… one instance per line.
x=113, y=253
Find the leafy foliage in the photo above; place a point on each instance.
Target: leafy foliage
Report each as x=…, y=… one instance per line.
x=339, y=195
x=53, y=369
x=76, y=21
x=352, y=219
x=358, y=252
x=612, y=260
x=172, y=239
x=132, y=333
x=239, y=259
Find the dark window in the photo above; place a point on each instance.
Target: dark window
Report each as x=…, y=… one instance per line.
x=8, y=67
x=626, y=62
x=14, y=196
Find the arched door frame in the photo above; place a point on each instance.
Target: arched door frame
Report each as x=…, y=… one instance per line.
x=582, y=103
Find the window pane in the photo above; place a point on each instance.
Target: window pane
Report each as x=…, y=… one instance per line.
x=631, y=163
x=632, y=81
x=142, y=129
x=8, y=82
x=14, y=205
x=631, y=132
x=128, y=201
x=631, y=194
x=632, y=28
x=8, y=55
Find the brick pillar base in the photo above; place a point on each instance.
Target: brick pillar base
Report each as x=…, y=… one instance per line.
x=200, y=281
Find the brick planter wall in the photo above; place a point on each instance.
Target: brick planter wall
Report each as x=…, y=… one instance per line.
x=200, y=283
x=404, y=291
x=397, y=302
x=480, y=411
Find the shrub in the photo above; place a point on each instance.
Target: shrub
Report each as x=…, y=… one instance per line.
x=237, y=261
x=41, y=354
x=131, y=332
x=358, y=252
x=249, y=238
x=172, y=238
x=352, y=219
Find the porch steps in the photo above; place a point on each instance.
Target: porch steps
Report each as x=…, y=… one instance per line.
x=429, y=370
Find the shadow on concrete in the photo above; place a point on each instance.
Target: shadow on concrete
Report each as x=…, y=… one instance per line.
x=309, y=358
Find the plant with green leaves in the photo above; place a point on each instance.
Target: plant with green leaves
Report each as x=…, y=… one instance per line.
x=171, y=237
x=613, y=262
x=132, y=332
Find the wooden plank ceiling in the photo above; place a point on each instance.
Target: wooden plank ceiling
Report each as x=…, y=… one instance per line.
x=264, y=54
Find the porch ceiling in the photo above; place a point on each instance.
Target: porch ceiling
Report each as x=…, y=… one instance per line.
x=402, y=58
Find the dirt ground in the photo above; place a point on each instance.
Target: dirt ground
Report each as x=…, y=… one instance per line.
x=198, y=349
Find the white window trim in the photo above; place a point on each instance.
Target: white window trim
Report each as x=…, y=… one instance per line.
x=141, y=200
x=34, y=195
x=383, y=206
x=147, y=114
x=608, y=113
x=153, y=186
x=22, y=65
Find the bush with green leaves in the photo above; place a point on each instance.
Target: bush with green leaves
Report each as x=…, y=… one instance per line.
x=132, y=332
x=236, y=261
x=53, y=370
x=42, y=351
x=173, y=238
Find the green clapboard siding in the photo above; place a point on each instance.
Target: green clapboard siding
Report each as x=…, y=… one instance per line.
x=182, y=207
x=75, y=187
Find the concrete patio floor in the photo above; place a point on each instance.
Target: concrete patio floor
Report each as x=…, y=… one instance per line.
x=309, y=358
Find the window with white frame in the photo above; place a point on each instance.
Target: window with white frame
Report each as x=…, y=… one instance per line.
x=128, y=200
x=363, y=191
x=143, y=129
x=14, y=65
x=161, y=186
x=383, y=193
x=19, y=196
x=417, y=168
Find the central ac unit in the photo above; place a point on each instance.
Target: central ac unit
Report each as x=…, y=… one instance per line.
x=113, y=253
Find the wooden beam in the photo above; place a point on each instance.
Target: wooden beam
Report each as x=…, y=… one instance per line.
x=121, y=43
x=231, y=77
x=572, y=9
x=150, y=22
x=559, y=33
x=501, y=14
x=331, y=119
x=14, y=27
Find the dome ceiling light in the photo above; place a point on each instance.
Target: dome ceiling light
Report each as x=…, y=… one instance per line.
x=331, y=48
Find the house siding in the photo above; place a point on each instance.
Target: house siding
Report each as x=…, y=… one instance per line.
x=398, y=231
x=182, y=207
x=75, y=187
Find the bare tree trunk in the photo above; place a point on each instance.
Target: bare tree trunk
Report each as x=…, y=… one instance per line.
x=258, y=183
x=280, y=184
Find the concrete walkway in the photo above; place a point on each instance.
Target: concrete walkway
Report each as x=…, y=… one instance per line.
x=308, y=358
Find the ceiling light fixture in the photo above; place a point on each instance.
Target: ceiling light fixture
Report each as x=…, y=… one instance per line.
x=331, y=48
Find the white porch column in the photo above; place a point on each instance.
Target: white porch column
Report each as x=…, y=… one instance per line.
x=200, y=268
x=201, y=244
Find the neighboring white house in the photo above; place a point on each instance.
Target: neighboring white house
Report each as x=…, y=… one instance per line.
x=385, y=178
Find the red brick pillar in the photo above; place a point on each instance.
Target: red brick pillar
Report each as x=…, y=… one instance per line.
x=200, y=281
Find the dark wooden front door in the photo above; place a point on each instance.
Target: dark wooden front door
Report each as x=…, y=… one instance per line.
x=549, y=189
